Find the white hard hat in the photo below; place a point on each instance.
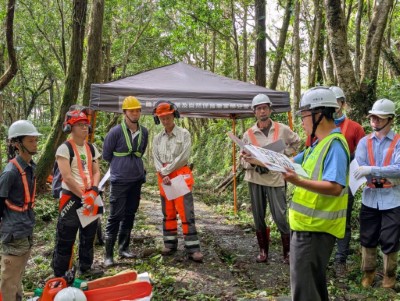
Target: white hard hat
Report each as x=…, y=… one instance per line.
x=338, y=92
x=70, y=294
x=383, y=108
x=317, y=97
x=260, y=99
x=22, y=128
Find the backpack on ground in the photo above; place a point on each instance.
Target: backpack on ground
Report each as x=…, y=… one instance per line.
x=57, y=178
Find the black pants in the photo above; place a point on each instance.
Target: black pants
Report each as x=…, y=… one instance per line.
x=380, y=227
x=344, y=243
x=67, y=226
x=309, y=258
x=124, y=203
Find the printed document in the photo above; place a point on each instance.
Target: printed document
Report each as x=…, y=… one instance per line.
x=86, y=220
x=177, y=188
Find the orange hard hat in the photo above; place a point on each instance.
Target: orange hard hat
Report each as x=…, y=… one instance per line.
x=164, y=108
x=75, y=116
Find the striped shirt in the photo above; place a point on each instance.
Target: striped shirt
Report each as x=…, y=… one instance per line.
x=171, y=151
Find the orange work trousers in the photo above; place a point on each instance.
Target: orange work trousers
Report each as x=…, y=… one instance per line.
x=184, y=207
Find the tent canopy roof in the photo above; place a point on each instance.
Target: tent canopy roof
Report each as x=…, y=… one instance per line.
x=196, y=93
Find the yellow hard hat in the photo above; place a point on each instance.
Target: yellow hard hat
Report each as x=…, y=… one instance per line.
x=131, y=103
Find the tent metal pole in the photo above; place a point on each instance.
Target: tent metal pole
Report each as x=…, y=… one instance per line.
x=234, y=166
x=290, y=118
x=93, y=118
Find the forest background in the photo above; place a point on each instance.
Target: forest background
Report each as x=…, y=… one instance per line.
x=51, y=51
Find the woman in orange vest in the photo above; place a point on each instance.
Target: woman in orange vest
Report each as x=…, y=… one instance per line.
x=264, y=185
x=17, y=199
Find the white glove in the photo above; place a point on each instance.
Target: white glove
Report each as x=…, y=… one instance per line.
x=362, y=171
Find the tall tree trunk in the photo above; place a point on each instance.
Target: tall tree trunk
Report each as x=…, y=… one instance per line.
x=372, y=50
x=335, y=23
x=235, y=41
x=280, y=51
x=296, y=57
x=391, y=59
x=357, y=55
x=245, y=42
x=12, y=58
x=260, y=59
x=70, y=94
x=214, y=50
x=329, y=72
x=93, y=71
x=316, y=43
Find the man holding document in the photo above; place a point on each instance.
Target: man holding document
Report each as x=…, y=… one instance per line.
x=266, y=185
x=171, y=151
x=317, y=213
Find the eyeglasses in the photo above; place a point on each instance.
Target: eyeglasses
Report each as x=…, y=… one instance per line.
x=302, y=117
x=376, y=119
x=82, y=125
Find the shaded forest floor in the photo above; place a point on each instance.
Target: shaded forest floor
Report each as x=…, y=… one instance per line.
x=229, y=270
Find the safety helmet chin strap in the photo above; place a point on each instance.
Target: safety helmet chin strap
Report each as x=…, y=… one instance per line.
x=24, y=149
x=133, y=121
x=315, y=122
x=382, y=127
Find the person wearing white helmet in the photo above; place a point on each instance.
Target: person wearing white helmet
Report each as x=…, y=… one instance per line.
x=17, y=199
x=378, y=156
x=353, y=132
x=268, y=187
x=317, y=213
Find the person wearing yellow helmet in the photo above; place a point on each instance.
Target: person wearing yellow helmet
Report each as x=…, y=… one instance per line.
x=123, y=148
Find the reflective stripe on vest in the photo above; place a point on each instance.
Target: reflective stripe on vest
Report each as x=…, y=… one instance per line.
x=253, y=138
x=29, y=201
x=310, y=211
x=129, y=143
x=386, y=162
x=79, y=162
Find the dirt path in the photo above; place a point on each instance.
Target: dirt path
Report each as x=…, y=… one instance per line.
x=229, y=269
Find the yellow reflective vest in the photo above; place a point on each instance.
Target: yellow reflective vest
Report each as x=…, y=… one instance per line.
x=314, y=212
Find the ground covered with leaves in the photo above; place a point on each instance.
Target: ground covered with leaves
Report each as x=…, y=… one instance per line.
x=229, y=270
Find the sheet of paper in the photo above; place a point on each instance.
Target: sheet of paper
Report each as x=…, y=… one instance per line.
x=104, y=180
x=177, y=188
x=354, y=184
x=86, y=220
x=276, y=146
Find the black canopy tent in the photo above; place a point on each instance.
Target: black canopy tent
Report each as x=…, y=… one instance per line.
x=196, y=93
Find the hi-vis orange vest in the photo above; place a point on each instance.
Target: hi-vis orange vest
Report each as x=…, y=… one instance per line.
x=386, y=162
x=29, y=200
x=253, y=138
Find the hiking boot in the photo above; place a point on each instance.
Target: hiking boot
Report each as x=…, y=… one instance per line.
x=92, y=272
x=167, y=251
x=368, y=278
x=196, y=256
x=126, y=254
x=389, y=270
x=340, y=269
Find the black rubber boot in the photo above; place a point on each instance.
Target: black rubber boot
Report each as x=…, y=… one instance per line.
x=123, y=241
x=109, y=257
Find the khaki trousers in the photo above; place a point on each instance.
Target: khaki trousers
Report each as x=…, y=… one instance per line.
x=12, y=269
